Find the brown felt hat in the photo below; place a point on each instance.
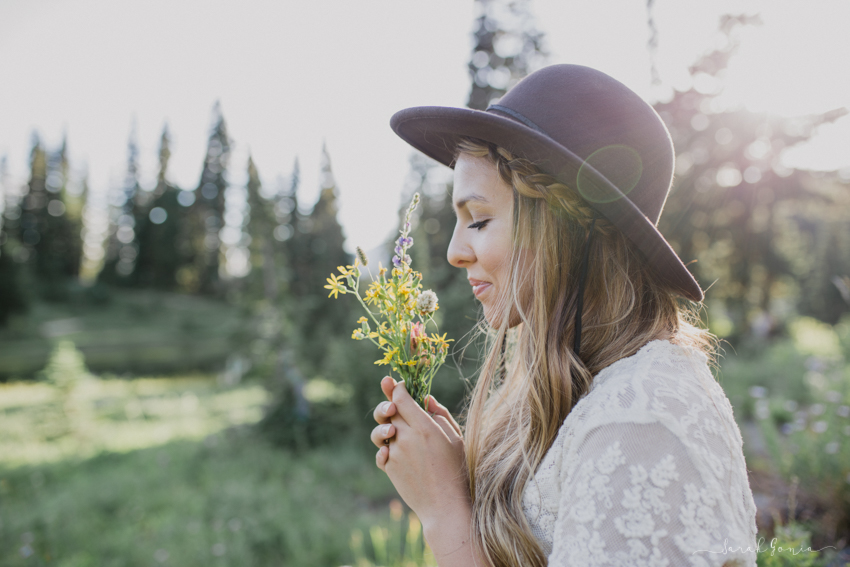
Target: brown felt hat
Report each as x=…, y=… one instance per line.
x=586, y=129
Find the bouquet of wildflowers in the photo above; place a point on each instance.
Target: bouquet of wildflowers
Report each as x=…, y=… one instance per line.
x=400, y=311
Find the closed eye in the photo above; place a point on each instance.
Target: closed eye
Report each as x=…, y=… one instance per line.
x=480, y=224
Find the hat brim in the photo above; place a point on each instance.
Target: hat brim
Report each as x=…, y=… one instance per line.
x=435, y=131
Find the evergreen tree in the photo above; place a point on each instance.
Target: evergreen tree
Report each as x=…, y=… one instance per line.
x=206, y=215
x=263, y=280
x=287, y=218
x=160, y=252
x=12, y=297
x=122, y=247
x=59, y=172
x=760, y=230
x=317, y=250
x=507, y=47
x=50, y=245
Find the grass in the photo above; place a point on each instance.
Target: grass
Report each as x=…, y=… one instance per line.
x=136, y=331
x=42, y=423
x=170, y=472
x=229, y=500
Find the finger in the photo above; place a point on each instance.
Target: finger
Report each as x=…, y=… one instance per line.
x=384, y=411
x=438, y=409
x=407, y=408
x=381, y=457
x=447, y=427
x=387, y=385
x=381, y=433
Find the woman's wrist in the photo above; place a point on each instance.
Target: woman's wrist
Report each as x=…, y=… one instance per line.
x=449, y=535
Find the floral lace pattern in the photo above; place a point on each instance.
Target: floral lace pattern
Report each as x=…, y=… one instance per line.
x=647, y=470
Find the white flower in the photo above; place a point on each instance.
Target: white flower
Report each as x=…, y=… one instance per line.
x=426, y=302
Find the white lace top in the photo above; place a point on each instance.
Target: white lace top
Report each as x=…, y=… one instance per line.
x=647, y=470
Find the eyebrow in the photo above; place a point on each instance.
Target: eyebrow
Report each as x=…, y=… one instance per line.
x=462, y=203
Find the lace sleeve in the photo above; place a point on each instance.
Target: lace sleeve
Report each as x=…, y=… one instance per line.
x=632, y=495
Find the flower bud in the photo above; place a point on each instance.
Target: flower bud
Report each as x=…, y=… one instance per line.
x=426, y=303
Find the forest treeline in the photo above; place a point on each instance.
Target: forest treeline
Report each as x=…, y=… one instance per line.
x=768, y=242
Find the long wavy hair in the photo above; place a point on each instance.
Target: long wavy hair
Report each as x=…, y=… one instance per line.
x=525, y=391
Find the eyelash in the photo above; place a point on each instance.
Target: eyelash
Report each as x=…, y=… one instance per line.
x=479, y=225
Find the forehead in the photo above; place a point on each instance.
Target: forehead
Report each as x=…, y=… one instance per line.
x=477, y=180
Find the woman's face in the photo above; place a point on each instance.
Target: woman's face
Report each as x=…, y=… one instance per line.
x=481, y=242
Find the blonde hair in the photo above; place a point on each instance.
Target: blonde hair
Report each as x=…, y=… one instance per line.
x=523, y=394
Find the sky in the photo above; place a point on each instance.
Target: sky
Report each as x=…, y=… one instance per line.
x=291, y=76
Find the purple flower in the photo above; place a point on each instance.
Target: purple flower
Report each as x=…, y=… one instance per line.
x=398, y=250
x=396, y=262
x=407, y=260
x=407, y=241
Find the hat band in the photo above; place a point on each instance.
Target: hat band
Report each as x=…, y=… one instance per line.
x=514, y=114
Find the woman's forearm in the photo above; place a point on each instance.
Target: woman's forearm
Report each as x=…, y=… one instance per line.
x=450, y=539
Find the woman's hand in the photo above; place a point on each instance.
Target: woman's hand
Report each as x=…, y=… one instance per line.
x=425, y=458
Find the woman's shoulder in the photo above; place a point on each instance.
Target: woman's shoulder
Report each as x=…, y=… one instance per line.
x=658, y=412
x=661, y=380
x=665, y=384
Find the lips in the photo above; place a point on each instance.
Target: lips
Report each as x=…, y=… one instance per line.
x=479, y=286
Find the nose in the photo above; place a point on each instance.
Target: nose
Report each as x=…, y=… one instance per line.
x=460, y=253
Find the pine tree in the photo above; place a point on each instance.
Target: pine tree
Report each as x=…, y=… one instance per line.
x=206, y=215
x=122, y=247
x=317, y=250
x=507, y=48
x=71, y=220
x=263, y=280
x=751, y=222
x=50, y=245
x=287, y=217
x=13, y=299
x=160, y=252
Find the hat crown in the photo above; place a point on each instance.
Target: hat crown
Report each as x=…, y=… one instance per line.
x=587, y=111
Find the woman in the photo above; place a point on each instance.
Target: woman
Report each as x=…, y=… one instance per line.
x=596, y=434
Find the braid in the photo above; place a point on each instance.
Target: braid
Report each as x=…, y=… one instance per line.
x=529, y=181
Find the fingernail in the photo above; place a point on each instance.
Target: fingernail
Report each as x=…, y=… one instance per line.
x=384, y=407
x=385, y=429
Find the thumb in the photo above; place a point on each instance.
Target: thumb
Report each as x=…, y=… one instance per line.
x=407, y=407
x=437, y=409
x=387, y=385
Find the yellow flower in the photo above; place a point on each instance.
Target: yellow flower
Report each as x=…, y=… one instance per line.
x=387, y=357
x=439, y=341
x=335, y=286
x=373, y=293
x=358, y=335
x=404, y=290
x=363, y=320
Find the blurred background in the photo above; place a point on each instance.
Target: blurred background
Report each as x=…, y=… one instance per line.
x=179, y=178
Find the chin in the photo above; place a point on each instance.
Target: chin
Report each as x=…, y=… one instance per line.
x=494, y=320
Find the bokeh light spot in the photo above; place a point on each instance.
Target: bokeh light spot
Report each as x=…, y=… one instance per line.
x=158, y=215
x=620, y=164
